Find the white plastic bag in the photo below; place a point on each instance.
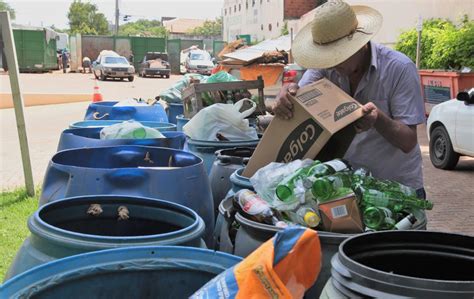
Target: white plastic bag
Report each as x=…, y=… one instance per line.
x=225, y=119
x=266, y=179
x=129, y=130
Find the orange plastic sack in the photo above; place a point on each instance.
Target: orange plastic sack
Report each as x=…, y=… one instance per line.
x=284, y=267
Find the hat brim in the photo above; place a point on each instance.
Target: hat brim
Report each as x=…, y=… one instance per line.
x=308, y=54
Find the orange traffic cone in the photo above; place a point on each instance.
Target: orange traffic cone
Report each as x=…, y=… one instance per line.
x=97, y=96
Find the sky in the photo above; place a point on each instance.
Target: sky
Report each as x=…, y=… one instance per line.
x=54, y=12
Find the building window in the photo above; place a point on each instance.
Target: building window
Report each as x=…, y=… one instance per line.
x=247, y=4
x=261, y=27
x=230, y=11
x=261, y=1
x=253, y=3
x=235, y=8
x=269, y=27
x=225, y=12
x=278, y=24
x=240, y=7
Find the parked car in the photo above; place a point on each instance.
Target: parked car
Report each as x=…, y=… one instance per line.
x=155, y=64
x=450, y=129
x=199, y=61
x=111, y=65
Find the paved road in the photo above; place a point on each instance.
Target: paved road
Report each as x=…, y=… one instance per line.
x=451, y=191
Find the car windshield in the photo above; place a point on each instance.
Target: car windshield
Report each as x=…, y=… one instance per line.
x=200, y=56
x=120, y=60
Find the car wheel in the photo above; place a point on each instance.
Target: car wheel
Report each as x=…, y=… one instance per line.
x=102, y=77
x=131, y=78
x=95, y=75
x=167, y=76
x=121, y=79
x=139, y=74
x=442, y=154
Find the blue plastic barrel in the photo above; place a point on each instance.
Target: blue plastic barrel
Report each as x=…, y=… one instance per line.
x=174, y=109
x=162, y=127
x=180, y=122
x=68, y=227
x=154, y=172
x=107, y=111
x=90, y=137
x=206, y=149
x=139, y=272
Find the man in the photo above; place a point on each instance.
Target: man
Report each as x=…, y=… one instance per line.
x=64, y=60
x=336, y=45
x=86, y=64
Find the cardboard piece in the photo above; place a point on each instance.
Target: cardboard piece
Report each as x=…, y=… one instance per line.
x=342, y=215
x=319, y=129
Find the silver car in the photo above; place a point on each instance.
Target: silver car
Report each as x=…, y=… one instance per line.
x=113, y=66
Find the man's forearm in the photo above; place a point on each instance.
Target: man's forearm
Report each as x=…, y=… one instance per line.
x=398, y=134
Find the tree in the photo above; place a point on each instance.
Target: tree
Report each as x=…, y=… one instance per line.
x=284, y=29
x=6, y=7
x=143, y=27
x=84, y=18
x=209, y=28
x=443, y=44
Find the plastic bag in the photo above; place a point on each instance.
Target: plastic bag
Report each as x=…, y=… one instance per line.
x=218, y=77
x=225, y=119
x=266, y=179
x=129, y=130
x=173, y=94
x=283, y=267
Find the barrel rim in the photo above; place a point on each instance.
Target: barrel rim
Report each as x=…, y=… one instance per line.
x=382, y=276
x=211, y=143
x=53, y=163
x=40, y=227
x=22, y=282
x=148, y=123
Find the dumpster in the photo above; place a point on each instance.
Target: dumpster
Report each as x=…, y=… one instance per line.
x=162, y=127
x=250, y=234
x=90, y=137
x=72, y=226
x=174, y=109
x=154, y=172
x=206, y=149
x=106, y=111
x=133, y=272
x=403, y=264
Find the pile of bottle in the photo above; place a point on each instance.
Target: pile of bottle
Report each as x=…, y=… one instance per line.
x=384, y=204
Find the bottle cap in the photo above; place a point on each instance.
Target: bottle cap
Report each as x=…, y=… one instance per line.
x=311, y=219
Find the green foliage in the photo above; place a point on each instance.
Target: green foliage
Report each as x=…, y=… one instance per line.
x=444, y=45
x=284, y=29
x=143, y=27
x=4, y=6
x=15, y=207
x=209, y=28
x=84, y=18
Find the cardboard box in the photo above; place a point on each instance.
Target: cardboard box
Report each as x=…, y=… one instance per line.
x=342, y=215
x=319, y=129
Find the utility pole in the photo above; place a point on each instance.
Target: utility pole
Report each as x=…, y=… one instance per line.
x=419, y=28
x=117, y=14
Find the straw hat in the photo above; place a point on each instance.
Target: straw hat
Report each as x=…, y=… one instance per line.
x=337, y=32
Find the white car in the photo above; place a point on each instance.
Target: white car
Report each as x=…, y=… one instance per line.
x=111, y=65
x=199, y=61
x=450, y=129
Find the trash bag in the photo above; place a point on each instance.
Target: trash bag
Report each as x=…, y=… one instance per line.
x=219, y=77
x=129, y=130
x=283, y=267
x=224, y=120
x=266, y=179
x=173, y=94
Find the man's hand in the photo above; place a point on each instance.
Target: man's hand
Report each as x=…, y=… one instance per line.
x=370, y=117
x=283, y=107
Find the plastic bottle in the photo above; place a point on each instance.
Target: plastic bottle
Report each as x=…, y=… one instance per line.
x=378, y=218
x=406, y=223
x=285, y=189
x=395, y=202
x=305, y=216
x=255, y=208
x=331, y=186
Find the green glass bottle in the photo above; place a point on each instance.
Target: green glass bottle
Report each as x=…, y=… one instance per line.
x=285, y=189
x=329, y=167
x=378, y=218
x=331, y=186
x=393, y=201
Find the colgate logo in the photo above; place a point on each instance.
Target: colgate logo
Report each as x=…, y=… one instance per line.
x=344, y=110
x=299, y=141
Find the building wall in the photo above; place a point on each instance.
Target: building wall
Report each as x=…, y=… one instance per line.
x=261, y=19
x=294, y=9
x=400, y=15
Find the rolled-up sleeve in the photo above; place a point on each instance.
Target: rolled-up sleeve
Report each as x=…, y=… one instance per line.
x=406, y=102
x=310, y=76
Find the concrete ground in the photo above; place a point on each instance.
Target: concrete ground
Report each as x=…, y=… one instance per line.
x=451, y=191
